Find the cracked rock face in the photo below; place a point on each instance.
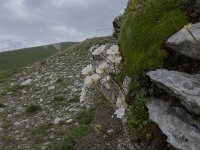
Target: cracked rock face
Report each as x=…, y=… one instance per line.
x=182, y=131
x=183, y=86
x=183, y=42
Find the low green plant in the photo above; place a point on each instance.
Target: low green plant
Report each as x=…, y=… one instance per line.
x=85, y=117
x=5, y=75
x=33, y=108
x=60, y=80
x=14, y=89
x=40, y=131
x=74, y=99
x=138, y=115
x=2, y=105
x=58, y=98
x=69, y=140
x=6, y=124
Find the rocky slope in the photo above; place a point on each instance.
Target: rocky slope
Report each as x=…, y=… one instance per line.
x=40, y=105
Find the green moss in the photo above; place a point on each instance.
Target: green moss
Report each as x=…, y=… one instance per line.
x=145, y=30
x=147, y=25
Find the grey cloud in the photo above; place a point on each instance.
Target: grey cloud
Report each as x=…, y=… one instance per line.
x=35, y=22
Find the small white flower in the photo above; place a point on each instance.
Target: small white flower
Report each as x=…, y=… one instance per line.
x=114, y=50
x=88, y=81
x=83, y=94
x=57, y=120
x=102, y=68
x=186, y=27
x=106, y=79
x=99, y=50
x=120, y=112
x=121, y=101
x=95, y=77
x=87, y=70
x=114, y=59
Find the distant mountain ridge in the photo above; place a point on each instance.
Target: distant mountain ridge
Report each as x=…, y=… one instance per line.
x=22, y=57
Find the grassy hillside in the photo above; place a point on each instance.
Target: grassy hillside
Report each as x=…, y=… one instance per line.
x=22, y=57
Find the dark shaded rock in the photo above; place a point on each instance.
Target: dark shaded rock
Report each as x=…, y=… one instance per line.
x=191, y=9
x=183, y=86
x=182, y=42
x=182, y=131
x=179, y=62
x=116, y=25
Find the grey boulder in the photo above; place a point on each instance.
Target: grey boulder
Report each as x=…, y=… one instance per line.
x=181, y=85
x=182, y=131
x=184, y=43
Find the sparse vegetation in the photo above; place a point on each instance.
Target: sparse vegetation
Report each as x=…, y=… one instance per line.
x=2, y=105
x=58, y=98
x=6, y=124
x=70, y=138
x=40, y=131
x=33, y=108
x=5, y=75
x=60, y=80
x=85, y=117
x=13, y=89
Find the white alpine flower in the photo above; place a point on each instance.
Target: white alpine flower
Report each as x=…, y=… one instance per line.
x=121, y=101
x=114, y=59
x=99, y=50
x=120, y=112
x=88, y=81
x=114, y=50
x=102, y=68
x=82, y=95
x=186, y=27
x=105, y=82
x=106, y=79
x=95, y=77
x=87, y=70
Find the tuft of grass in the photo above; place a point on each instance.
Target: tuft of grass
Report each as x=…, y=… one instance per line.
x=6, y=124
x=5, y=75
x=137, y=115
x=75, y=99
x=2, y=105
x=40, y=131
x=60, y=80
x=8, y=139
x=85, y=117
x=33, y=108
x=14, y=89
x=58, y=98
x=69, y=140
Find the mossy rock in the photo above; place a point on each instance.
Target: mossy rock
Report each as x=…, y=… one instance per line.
x=146, y=27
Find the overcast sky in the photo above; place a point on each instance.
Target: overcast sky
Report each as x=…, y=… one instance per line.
x=26, y=23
